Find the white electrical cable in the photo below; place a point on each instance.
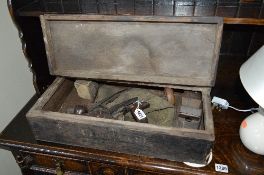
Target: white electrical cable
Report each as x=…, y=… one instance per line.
x=224, y=104
x=244, y=110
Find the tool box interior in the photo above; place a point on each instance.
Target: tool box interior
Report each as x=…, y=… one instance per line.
x=162, y=106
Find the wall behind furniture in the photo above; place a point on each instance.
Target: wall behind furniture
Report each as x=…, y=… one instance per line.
x=16, y=86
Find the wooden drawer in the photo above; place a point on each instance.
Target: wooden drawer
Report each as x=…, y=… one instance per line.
x=106, y=169
x=37, y=170
x=138, y=172
x=142, y=172
x=55, y=162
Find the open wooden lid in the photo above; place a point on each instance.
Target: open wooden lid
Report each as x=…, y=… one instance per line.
x=155, y=50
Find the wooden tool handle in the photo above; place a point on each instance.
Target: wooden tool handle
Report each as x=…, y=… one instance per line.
x=170, y=95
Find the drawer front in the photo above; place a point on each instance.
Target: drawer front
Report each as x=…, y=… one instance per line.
x=105, y=169
x=142, y=172
x=138, y=172
x=57, y=163
x=35, y=170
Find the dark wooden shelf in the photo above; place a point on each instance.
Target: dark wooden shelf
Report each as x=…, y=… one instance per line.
x=247, y=21
x=244, y=13
x=33, y=9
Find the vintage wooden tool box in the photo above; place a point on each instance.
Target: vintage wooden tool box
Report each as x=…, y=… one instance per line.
x=131, y=53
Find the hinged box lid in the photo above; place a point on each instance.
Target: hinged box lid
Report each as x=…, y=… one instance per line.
x=156, y=50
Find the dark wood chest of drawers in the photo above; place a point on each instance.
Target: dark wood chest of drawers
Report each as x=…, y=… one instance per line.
x=36, y=157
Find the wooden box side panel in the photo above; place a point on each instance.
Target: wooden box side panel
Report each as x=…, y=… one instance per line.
x=49, y=94
x=121, y=139
x=208, y=116
x=137, y=49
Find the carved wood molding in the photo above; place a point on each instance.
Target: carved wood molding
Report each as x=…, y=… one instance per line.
x=23, y=42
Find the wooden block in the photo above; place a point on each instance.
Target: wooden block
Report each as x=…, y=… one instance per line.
x=189, y=117
x=193, y=113
x=192, y=99
x=86, y=89
x=183, y=122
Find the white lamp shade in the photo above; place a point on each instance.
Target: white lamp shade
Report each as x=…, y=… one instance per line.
x=252, y=76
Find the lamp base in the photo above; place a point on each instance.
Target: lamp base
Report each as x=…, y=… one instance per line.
x=252, y=132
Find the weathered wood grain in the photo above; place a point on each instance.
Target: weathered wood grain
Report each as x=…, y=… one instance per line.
x=55, y=102
x=133, y=49
x=120, y=136
x=121, y=139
